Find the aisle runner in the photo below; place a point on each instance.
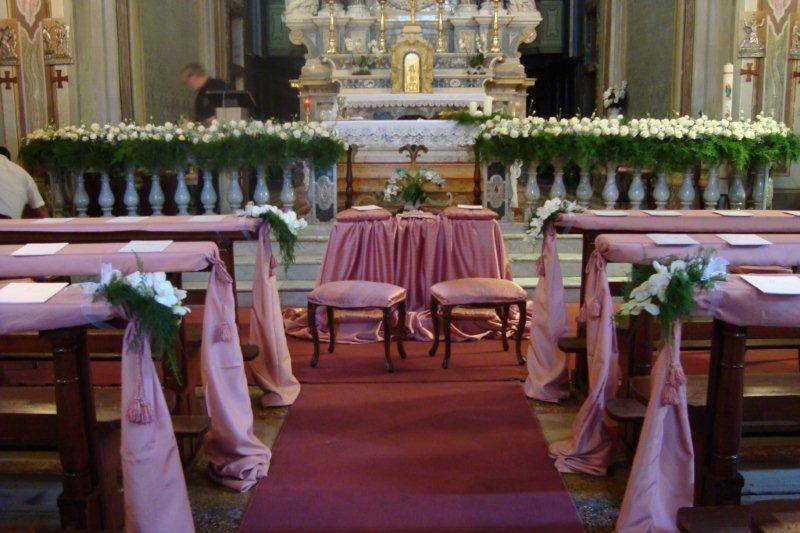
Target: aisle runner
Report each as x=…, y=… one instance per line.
x=411, y=457
x=364, y=363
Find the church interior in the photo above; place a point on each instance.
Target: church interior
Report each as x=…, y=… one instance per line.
x=400, y=265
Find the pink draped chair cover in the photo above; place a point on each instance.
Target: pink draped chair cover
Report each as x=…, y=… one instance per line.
x=272, y=369
x=237, y=458
x=414, y=252
x=592, y=445
x=662, y=476
x=548, y=376
x=154, y=487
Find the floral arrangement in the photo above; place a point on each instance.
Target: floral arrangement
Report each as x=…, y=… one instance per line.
x=219, y=145
x=472, y=115
x=285, y=225
x=657, y=144
x=477, y=48
x=408, y=184
x=151, y=300
x=365, y=61
x=615, y=95
x=547, y=213
x=667, y=288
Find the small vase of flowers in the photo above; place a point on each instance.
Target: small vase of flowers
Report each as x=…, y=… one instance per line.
x=408, y=184
x=362, y=55
x=615, y=99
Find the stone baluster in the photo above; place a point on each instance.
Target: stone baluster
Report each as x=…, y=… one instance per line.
x=610, y=189
x=261, y=192
x=131, y=196
x=711, y=193
x=80, y=198
x=661, y=191
x=235, y=195
x=558, y=190
x=56, y=180
x=156, y=196
x=182, y=196
x=532, y=192
x=584, y=191
x=636, y=190
x=737, y=195
x=287, y=191
x=106, y=198
x=760, y=186
x=310, y=177
x=208, y=196
x=686, y=191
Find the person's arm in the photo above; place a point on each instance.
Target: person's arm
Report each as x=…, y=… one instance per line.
x=43, y=212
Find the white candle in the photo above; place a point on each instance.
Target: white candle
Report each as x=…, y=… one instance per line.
x=727, y=90
x=487, y=105
x=473, y=107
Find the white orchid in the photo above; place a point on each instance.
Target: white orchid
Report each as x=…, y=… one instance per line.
x=150, y=285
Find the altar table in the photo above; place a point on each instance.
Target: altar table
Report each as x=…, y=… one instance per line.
x=663, y=475
x=272, y=367
x=591, y=448
x=414, y=250
x=154, y=486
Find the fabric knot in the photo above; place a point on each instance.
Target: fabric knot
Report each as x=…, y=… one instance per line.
x=582, y=315
x=219, y=268
x=140, y=411
x=540, y=270
x=593, y=307
x=223, y=333
x=596, y=262
x=263, y=236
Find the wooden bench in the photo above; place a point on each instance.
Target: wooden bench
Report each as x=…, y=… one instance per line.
x=768, y=516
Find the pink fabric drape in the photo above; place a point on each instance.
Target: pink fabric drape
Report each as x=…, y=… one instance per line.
x=272, y=369
x=662, y=477
x=152, y=476
x=591, y=448
x=548, y=378
x=237, y=459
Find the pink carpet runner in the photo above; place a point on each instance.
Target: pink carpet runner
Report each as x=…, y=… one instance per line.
x=466, y=456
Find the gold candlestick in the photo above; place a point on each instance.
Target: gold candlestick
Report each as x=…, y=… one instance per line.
x=382, y=38
x=441, y=42
x=496, y=28
x=413, y=7
x=331, y=29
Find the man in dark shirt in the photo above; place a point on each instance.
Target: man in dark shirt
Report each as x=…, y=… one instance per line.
x=194, y=76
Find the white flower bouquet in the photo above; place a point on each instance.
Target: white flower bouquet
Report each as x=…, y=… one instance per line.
x=285, y=226
x=547, y=213
x=615, y=95
x=408, y=185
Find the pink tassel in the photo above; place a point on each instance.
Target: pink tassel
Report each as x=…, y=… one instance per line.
x=140, y=411
x=582, y=315
x=675, y=380
x=223, y=333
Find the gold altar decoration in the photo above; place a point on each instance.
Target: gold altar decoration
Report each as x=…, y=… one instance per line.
x=9, y=42
x=496, y=48
x=57, y=42
x=412, y=64
x=441, y=41
x=382, y=27
x=331, y=29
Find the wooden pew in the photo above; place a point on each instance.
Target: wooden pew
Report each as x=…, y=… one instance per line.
x=768, y=516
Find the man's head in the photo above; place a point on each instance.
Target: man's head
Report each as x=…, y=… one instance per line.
x=194, y=76
x=4, y=152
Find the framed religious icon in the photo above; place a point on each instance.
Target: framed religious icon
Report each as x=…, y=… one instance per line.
x=412, y=65
x=9, y=42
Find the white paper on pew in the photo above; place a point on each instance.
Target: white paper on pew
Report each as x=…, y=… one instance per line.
x=610, y=213
x=663, y=213
x=779, y=285
x=365, y=207
x=733, y=213
x=793, y=213
x=43, y=248
x=743, y=239
x=123, y=220
x=143, y=247
x=468, y=206
x=672, y=239
x=29, y=293
x=52, y=220
x=207, y=218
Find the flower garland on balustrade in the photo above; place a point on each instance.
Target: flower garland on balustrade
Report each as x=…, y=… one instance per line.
x=169, y=146
x=155, y=305
x=657, y=144
x=286, y=227
x=547, y=213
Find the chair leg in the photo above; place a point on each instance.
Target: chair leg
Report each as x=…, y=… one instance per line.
x=331, y=329
x=521, y=330
x=387, y=338
x=401, y=324
x=312, y=325
x=504, y=311
x=435, y=320
x=447, y=311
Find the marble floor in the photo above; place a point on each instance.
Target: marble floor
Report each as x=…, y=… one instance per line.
x=29, y=482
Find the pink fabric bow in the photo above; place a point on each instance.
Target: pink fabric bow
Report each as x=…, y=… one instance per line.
x=662, y=476
x=548, y=378
x=591, y=448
